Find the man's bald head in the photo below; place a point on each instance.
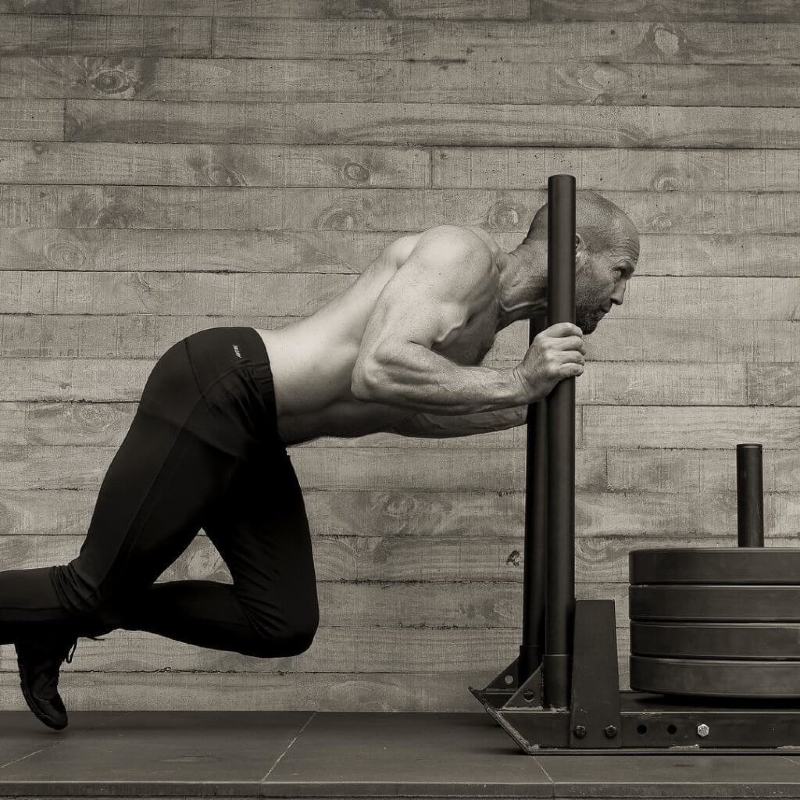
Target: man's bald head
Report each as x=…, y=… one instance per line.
x=601, y=224
x=605, y=256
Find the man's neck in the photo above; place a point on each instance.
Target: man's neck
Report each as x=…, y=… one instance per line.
x=523, y=283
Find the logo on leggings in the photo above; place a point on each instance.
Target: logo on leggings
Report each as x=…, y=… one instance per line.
x=236, y=350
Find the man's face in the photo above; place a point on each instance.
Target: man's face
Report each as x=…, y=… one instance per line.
x=600, y=281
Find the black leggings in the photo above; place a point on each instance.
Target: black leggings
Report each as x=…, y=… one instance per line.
x=202, y=450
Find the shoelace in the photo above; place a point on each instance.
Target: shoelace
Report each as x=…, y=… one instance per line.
x=48, y=676
x=75, y=645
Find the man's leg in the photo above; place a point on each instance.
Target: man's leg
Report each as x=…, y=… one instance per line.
x=261, y=530
x=153, y=496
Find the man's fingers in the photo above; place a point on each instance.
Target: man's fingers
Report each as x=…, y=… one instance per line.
x=572, y=356
x=563, y=329
x=569, y=343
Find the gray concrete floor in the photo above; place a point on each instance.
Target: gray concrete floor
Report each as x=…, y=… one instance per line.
x=326, y=754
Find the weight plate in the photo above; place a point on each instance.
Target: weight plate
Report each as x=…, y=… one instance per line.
x=720, y=640
x=715, y=603
x=735, y=565
x=747, y=679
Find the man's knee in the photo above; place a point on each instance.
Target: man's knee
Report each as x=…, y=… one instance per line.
x=270, y=641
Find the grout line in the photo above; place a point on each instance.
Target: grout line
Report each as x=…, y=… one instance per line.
x=546, y=773
x=22, y=758
x=277, y=761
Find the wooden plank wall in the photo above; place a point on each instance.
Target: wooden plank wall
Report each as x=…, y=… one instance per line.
x=167, y=165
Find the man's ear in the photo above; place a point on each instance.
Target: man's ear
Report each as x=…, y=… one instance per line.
x=580, y=247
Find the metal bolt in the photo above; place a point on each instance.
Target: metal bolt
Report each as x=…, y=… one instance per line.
x=579, y=731
x=529, y=695
x=703, y=730
x=610, y=731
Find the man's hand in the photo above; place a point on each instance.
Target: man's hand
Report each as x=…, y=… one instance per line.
x=556, y=353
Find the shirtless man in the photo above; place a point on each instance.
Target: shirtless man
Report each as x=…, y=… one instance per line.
x=399, y=351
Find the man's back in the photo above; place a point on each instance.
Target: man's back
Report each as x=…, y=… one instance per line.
x=313, y=359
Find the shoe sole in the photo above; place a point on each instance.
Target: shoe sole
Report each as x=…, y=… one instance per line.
x=38, y=713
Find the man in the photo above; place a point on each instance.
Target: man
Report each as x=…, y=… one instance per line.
x=398, y=351
x=390, y=353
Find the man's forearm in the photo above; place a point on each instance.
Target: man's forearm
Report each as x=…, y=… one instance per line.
x=441, y=426
x=421, y=380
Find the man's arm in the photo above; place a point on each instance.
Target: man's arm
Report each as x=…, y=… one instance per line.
x=441, y=425
x=429, y=298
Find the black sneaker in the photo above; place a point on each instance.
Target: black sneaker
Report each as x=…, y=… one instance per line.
x=39, y=661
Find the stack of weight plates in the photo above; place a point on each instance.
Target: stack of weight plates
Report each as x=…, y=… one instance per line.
x=722, y=621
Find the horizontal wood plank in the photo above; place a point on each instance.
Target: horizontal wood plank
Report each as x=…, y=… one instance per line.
x=426, y=124
x=103, y=35
x=360, y=650
x=300, y=294
x=602, y=383
x=701, y=170
x=255, y=691
x=356, y=166
x=123, y=249
x=204, y=165
x=631, y=426
x=773, y=384
x=350, y=252
x=701, y=471
x=350, y=563
x=718, y=10
x=145, y=336
x=381, y=80
x=381, y=210
x=313, y=9
x=650, y=42
x=31, y=119
x=641, y=339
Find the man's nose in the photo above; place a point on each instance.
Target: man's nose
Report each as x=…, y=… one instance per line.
x=619, y=294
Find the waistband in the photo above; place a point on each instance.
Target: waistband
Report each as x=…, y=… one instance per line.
x=219, y=351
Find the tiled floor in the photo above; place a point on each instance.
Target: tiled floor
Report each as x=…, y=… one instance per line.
x=312, y=754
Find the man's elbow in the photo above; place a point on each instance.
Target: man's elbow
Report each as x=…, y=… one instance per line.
x=366, y=381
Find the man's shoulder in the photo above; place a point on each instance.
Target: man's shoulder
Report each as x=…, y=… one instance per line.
x=461, y=240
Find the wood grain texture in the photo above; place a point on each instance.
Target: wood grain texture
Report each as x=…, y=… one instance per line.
x=106, y=35
x=502, y=213
x=651, y=42
x=426, y=124
x=609, y=528
x=142, y=335
x=332, y=165
x=370, y=9
x=602, y=383
x=330, y=691
x=31, y=119
x=710, y=427
x=297, y=293
x=209, y=165
x=680, y=470
x=619, y=169
x=290, y=691
x=171, y=166
x=722, y=10
x=379, y=80
x=350, y=252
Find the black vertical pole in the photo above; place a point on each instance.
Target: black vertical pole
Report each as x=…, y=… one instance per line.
x=535, y=565
x=749, y=495
x=561, y=451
